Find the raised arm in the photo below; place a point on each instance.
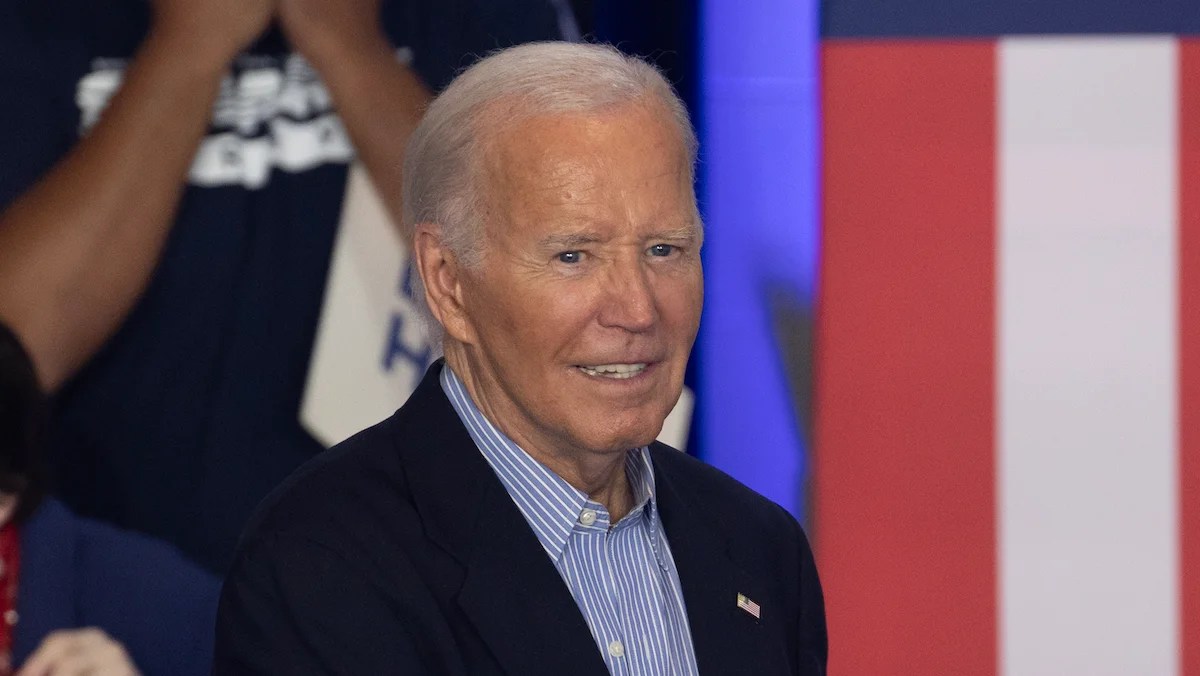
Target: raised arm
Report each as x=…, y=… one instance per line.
x=379, y=99
x=78, y=248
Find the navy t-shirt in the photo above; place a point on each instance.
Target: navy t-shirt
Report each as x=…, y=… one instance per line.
x=189, y=415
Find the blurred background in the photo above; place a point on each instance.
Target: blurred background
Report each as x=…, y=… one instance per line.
x=953, y=267
x=952, y=313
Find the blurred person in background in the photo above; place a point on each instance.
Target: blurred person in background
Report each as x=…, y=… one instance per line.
x=79, y=596
x=172, y=180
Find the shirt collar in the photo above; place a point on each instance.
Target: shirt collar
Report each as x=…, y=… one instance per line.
x=550, y=504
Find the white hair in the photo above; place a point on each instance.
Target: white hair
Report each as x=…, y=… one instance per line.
x=442, y=173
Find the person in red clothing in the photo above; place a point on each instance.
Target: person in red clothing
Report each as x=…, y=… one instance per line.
x=78, y=596
x=72, y=651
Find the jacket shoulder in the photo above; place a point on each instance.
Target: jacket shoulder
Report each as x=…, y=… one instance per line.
x=710, y=486
x=334, y=488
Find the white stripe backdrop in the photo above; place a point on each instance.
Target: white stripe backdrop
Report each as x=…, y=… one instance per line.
x=1087, y=365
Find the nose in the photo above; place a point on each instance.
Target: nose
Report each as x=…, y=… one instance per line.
x=629, y=298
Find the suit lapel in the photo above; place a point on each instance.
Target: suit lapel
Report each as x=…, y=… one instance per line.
x=519, y=603
x=511, y=592
x=727, y=639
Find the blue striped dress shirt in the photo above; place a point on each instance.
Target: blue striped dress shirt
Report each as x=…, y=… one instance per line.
x=622, y=576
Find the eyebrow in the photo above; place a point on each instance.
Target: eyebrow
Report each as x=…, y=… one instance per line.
x=690, y=231
x=570, y=240
x=573, y=240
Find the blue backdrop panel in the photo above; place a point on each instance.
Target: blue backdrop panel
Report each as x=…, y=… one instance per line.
x=758, y=125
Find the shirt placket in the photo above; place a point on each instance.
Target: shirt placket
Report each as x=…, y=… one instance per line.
x=615, y=637
x=657, y=654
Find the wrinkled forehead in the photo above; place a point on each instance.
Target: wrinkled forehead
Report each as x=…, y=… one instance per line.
x=511, y=122
x=568, y=158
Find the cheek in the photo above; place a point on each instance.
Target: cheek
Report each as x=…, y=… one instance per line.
x=559, y=306
x=506, y=306
x=536, y=325
x=681, y=298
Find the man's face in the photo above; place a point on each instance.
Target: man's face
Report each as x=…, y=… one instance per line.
x=588, y=298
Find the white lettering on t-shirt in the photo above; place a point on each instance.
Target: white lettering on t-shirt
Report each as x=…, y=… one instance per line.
x=271, y=113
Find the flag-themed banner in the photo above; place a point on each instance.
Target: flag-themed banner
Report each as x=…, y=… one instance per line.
x=1008, y=355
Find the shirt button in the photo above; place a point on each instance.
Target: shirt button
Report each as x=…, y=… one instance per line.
x=616, y=649
x=588, y=517
x=11, y=617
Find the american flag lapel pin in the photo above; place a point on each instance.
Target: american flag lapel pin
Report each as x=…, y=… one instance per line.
x=749, y=606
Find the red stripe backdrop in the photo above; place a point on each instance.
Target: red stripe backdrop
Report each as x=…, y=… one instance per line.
x=1189, y=357
x=904, y=434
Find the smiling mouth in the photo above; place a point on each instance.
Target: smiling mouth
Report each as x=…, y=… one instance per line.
x=613, y=371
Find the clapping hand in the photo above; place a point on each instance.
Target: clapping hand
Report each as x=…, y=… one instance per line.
x=77, y=652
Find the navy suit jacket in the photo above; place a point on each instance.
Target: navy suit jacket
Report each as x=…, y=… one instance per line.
x=399, y=552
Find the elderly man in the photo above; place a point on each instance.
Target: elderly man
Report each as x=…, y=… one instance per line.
x=516, y=515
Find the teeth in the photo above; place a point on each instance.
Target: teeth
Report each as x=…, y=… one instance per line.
x=616, y=371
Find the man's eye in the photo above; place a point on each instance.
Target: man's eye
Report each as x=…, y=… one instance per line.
x=570, y=257
x=662, y=249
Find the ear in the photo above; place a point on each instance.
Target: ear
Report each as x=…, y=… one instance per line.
x=442, y=276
